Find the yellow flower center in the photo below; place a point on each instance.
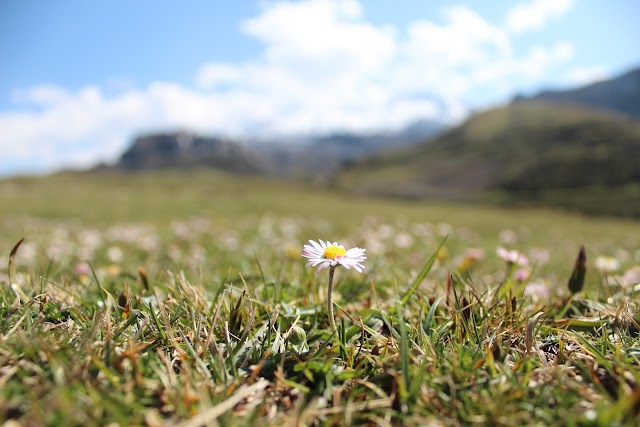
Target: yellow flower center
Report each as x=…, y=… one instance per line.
x=332, y=252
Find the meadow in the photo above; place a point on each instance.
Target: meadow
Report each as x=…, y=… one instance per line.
x=183, y=299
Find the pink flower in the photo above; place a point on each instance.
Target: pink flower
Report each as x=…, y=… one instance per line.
x=82, y=269
x=512, y=257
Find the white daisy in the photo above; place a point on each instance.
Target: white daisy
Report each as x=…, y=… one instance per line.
x=607, y=264
x=327, y=254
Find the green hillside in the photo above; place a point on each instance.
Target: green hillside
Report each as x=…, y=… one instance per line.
x=528, y=152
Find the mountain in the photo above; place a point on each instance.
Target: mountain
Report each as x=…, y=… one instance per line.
x=620, y=95
x=182, y=150
x=306, y=156
x=530, y=152
x=319, y=156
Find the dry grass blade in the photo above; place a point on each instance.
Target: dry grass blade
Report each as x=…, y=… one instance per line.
x=530, y=328
x=353, y=407
x=12, y=268
x=210, y=415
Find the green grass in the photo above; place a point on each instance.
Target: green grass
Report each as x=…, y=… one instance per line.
x=182, y=299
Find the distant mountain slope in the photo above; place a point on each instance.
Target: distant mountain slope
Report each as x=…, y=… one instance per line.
x=297, y=156
x=319, y=156
x=523, y=151
x=185, y=150
x=620, y=94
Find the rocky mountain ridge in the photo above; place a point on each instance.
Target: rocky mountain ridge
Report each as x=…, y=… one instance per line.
x=316, y=156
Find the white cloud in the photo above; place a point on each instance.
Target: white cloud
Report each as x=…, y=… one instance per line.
x=216, y=74
x=465, y=39
x=534, y=15
x=323, y=67
x=318, y=35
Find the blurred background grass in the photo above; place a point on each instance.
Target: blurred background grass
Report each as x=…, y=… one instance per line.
x=32, y=207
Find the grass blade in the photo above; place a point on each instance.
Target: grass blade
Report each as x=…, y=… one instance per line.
x=404, y=353
x=423, y=273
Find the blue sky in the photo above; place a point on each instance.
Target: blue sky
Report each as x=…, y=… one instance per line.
x=79, y=79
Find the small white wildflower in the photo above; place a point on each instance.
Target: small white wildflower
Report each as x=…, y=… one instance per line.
x=607, y=264
x=327, y=254
x=631, y=277
x=403, y=240
x=537, y=290
x=540, y=255
x=508, y=237
x=115, y=254
x=444, y=229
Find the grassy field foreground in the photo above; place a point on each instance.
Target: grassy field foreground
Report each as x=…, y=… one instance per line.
x=183, y=299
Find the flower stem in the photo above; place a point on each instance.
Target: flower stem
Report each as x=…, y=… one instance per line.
x=332, y=321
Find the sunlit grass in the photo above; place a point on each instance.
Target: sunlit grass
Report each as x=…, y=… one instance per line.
x=169, y=298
